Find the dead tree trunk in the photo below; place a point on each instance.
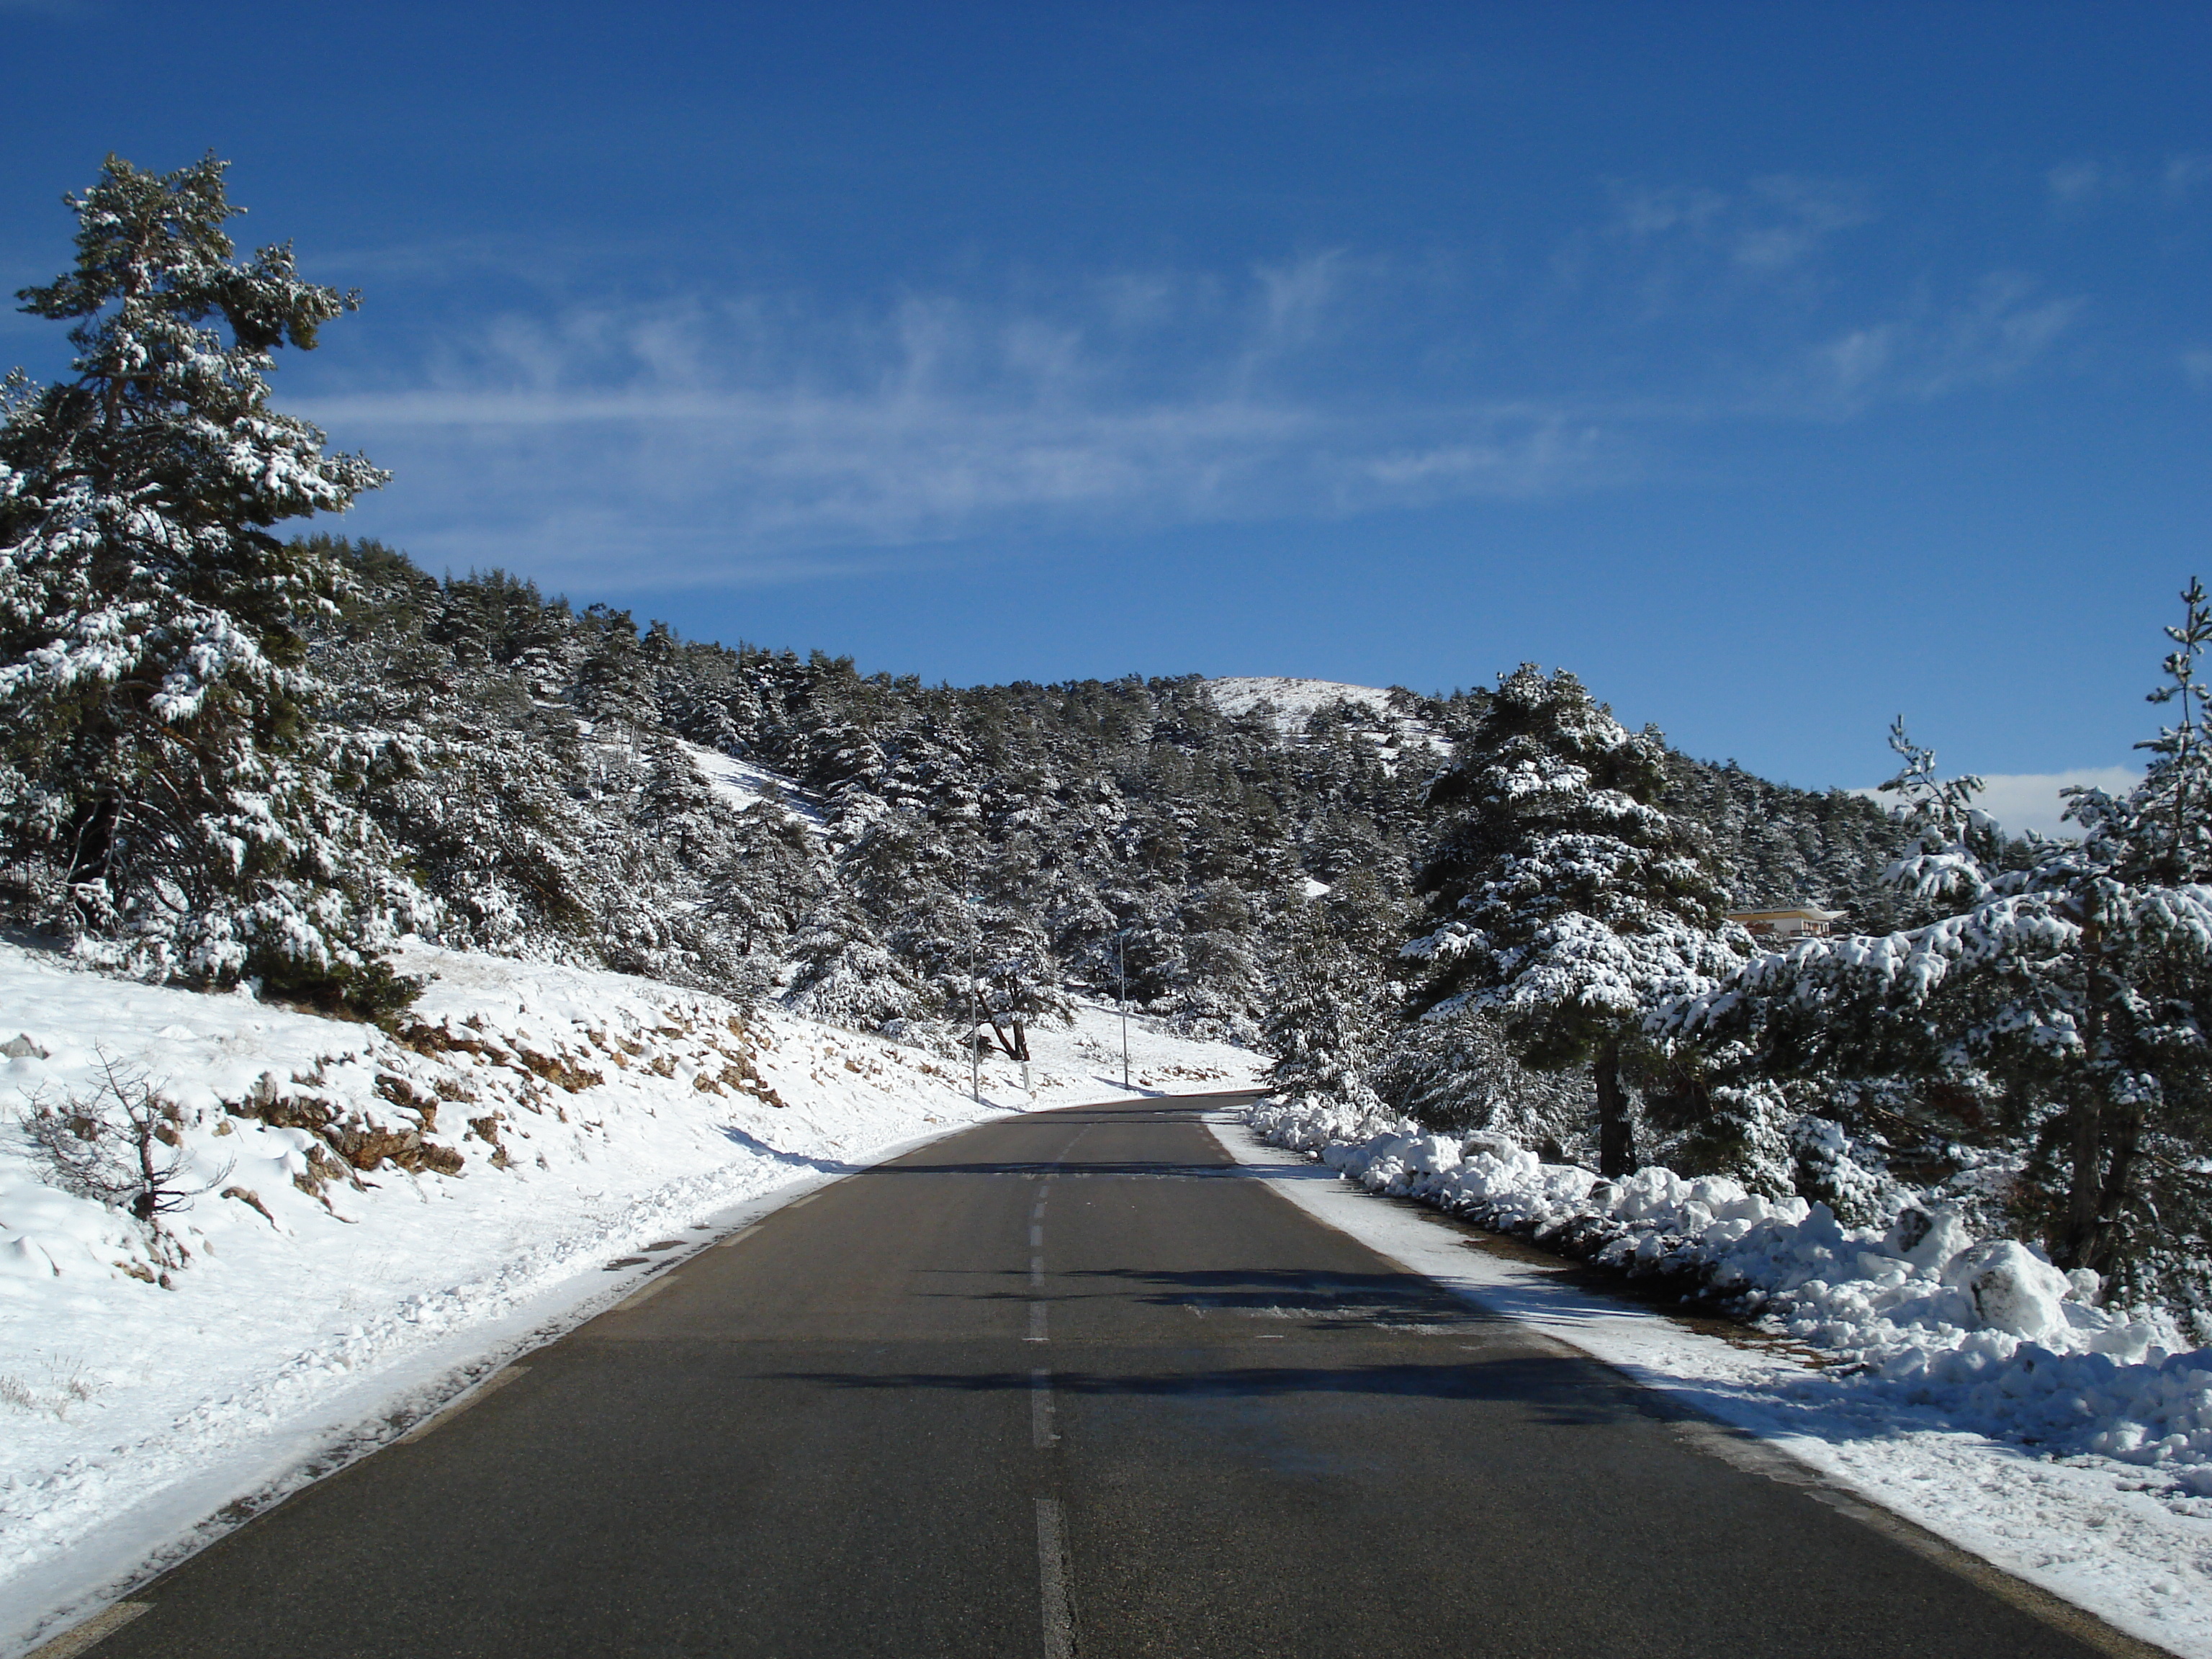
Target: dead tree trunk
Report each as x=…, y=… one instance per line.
x=1616, y=1150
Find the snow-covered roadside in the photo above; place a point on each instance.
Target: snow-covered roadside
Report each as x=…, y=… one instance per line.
x=332, y=1286
x=2130, y=1541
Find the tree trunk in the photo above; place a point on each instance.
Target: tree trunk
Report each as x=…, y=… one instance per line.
x=93, y=842
x=2112, y=1201
x=2085, y=1186
x=1616, y=1154
x=1017, y=1045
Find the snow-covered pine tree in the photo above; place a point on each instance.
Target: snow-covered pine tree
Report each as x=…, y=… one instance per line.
x=770, y=879
x=1458, y=1072
x=1561, y=894
x=1019, y=979
x=156, y=764
x=843, y=975
x=2064, y=1006
x=1217, y=993
x=1324, y=1014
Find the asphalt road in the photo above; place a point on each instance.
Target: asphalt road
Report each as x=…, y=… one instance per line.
x=1066, y=1383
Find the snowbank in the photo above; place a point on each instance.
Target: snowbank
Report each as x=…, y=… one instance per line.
x=382, y=1212
x=1985, y=1332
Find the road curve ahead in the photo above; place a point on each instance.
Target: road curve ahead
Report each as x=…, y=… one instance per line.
x=1069, y=1383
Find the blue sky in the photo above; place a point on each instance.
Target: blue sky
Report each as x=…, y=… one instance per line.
x=1777, y=368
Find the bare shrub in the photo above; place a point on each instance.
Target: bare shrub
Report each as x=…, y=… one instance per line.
x=122, y=1146
x=68, y=1383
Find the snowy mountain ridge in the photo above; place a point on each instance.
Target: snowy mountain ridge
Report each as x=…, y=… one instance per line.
x=1290, y=703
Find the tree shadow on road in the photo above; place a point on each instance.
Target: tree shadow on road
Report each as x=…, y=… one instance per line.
x=1563, y=1389
x=1395, y=1297
x=761, y=1149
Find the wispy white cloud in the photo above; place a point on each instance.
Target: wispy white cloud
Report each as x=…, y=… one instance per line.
x=2022, y=801
x=2185, y=174
x=755, y=435
x=1771, y=225
x=2073, y=183
x=1643, y=212
x=2196, y=366
x=2083, y=181
x=1510, y=453
x=1295, y=300
x=1928, y=351
x=738, y=438
x=1789, y=218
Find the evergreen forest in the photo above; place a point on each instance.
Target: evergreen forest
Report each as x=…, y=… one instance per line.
x=229, y=753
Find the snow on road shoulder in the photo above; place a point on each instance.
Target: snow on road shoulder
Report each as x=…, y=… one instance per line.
x=386, y=1217
x=2118, y=1539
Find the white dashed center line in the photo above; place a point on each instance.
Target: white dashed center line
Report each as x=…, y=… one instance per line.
x=1041, y=1429
x=1059, y=1607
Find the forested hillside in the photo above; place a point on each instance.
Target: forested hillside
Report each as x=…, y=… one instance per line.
x=528, y=762
x=227, y=756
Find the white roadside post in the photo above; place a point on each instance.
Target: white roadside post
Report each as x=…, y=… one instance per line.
x=974, y=1017
x=1121, y=968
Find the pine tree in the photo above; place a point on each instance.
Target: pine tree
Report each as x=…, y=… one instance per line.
x=2065, y=1005
x=1324, y=1014
x=844, y=976
x=1459, y=1072
x=1219, y=989
x=157, y=762
x=1561, y=893
x=1018, y=981
x=770, y=878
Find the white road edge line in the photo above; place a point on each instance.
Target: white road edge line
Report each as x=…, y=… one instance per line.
x=498, y=1380
x=653, y=1288
x=105, y=1623
x=1058, y=1607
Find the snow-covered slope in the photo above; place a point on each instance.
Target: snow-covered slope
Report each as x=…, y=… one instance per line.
x=330, y=1284
x=1291, y=703
x=741, y=784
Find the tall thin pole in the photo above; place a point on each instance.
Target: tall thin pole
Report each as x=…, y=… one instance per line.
x=974, y=1019
x=1121, y=965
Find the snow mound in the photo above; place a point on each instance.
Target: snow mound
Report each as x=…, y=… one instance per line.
x=1986, y=1332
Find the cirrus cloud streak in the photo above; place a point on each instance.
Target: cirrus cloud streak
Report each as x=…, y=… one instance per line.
x=728, y=438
